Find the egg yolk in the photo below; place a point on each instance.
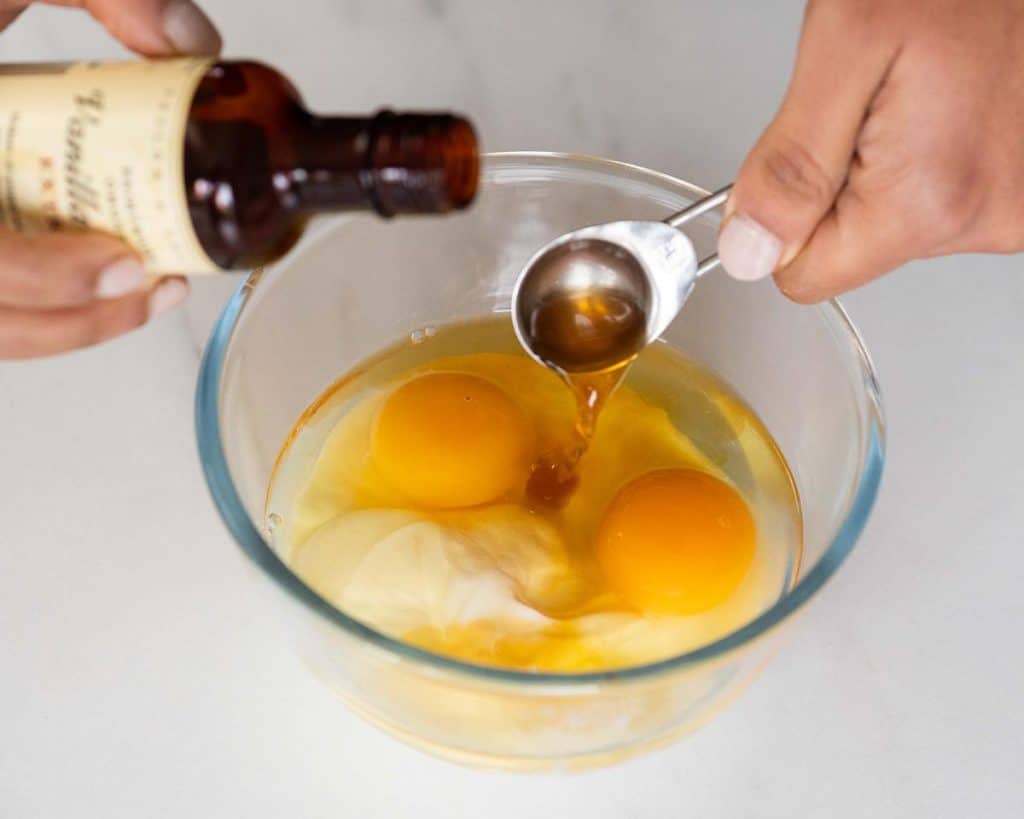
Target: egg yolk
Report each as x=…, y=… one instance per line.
x=676, y=541
x=448, y=440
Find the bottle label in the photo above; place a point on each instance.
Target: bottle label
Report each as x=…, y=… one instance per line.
x=100, y=147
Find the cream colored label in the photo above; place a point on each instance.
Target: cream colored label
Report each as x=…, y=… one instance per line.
x=100, y=146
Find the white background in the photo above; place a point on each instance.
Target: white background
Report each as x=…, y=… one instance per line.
x=140, y=677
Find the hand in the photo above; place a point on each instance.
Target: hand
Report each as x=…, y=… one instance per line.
x=901, y=136
x=63, y=291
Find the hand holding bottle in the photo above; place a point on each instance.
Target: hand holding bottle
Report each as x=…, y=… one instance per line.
x=63, y=291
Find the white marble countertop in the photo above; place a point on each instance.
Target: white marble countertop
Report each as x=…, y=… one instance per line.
x=139, y=675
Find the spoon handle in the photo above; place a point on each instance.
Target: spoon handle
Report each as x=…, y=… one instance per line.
x=699, y=208
x=707, y=265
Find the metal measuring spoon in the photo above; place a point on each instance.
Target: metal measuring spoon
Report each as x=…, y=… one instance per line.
x=595, y=297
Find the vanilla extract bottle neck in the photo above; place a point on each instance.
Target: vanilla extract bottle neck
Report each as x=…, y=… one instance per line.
x=258, y=164
x=391, y=163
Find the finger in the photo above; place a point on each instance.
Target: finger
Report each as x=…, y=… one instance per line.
x=151, y=27
x=8, y=16
x=852, y=245
x=64, y=269
x=26, y=333
x=791, y=178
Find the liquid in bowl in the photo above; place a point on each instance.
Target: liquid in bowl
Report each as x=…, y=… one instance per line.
x=473, y=567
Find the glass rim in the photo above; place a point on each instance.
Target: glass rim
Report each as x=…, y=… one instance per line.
x=255, y=547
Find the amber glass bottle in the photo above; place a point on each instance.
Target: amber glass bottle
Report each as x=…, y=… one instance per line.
x=258, y=164
x=206, y=165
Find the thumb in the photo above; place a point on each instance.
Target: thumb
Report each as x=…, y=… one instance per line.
x=790, y=180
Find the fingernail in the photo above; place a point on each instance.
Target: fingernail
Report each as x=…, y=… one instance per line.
x=120, y=278
x=166, y=295
x=189, y=30
x=748, y=250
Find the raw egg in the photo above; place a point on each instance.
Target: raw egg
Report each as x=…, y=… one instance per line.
x=448, y=440
x=676, y=541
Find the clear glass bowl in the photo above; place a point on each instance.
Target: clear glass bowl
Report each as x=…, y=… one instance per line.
x=359, y=284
